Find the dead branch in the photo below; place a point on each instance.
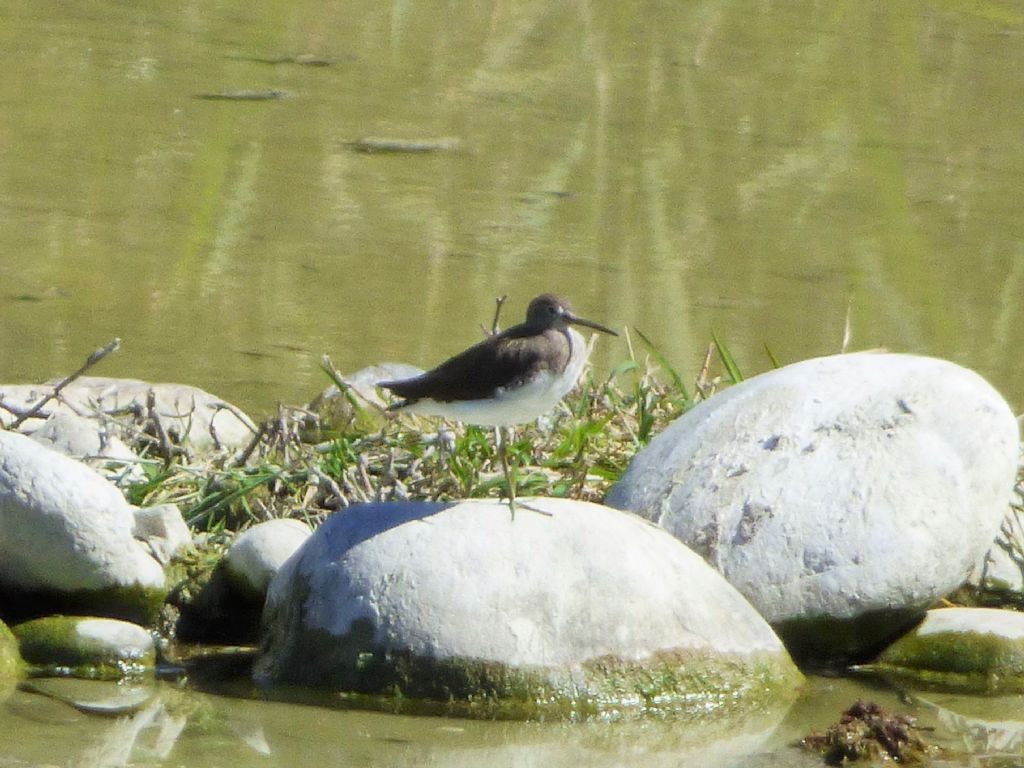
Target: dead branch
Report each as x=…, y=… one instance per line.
x=163, y=442
x=94, y=358
x=243, y=457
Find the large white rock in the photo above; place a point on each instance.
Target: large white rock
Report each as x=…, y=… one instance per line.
x=188, y=414
x=64, y=528
x=583, y=610
x=841, y=495
x=258, y=553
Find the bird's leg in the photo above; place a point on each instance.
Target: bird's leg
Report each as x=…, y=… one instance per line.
x=501, y=438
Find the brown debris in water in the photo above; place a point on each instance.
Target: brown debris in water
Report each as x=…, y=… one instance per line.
x=867, y=732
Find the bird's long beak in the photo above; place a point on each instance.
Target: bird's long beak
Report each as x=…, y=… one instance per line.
x=589, y=323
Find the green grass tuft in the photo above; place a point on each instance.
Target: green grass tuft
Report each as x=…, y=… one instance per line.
x=578, y=451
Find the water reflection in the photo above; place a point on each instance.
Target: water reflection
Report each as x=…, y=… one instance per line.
x=186, y=728
x=753, y=168
x=182, y=727
x=981, y=726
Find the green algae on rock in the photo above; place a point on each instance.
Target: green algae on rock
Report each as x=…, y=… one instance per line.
x=569, y=611
x=690, y=685
x=968, y=650
x=11, y=664
x=78, y=646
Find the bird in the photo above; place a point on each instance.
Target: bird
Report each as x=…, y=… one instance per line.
x=509, y=378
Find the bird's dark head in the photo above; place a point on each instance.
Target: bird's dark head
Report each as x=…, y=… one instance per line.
x=548, y=311
x=551, y=311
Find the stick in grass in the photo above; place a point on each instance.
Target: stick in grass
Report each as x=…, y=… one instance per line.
x=243, y=457
x=163, y=441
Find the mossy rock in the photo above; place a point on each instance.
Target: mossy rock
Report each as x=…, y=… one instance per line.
x=567, y=611
x=95, y=648
x=692, y=686
x=967, y=650
x=11, y=665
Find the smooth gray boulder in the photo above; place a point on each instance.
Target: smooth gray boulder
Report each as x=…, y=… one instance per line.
x=258, y=553
x=188, y=414
x=584, y=611
x=64, y=530
x=840, y=495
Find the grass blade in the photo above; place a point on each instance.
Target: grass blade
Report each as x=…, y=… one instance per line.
x=727, y=360
x=677, y=380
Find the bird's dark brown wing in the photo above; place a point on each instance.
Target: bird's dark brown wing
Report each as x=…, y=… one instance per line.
x=505, y=360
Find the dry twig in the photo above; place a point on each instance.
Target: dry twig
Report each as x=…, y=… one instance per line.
x=499, y=302
x=94, y=358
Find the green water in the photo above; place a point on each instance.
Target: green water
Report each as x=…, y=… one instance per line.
x=759, y=169
x=181, y=728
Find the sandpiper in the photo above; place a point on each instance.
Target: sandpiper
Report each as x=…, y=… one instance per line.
x=509, y=378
